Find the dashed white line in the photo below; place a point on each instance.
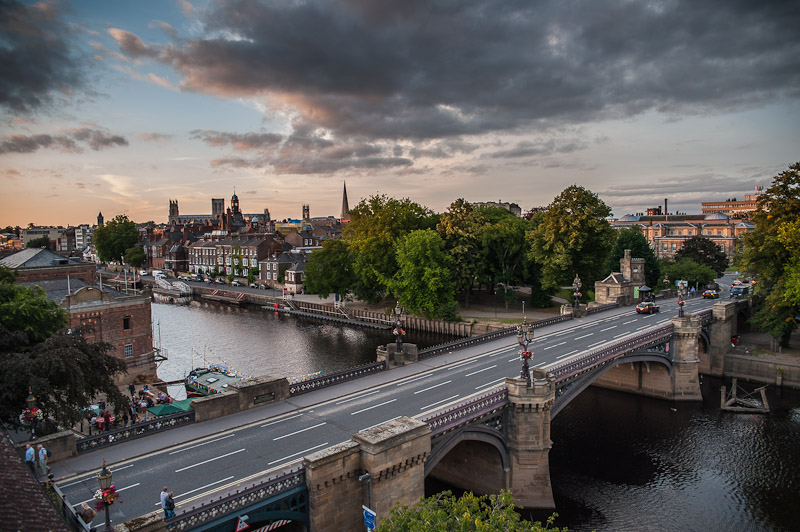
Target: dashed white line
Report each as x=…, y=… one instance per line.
x=552, y=346
x=412, y=380
x=371, y=407
x=596, y=343
x=608, y=328
x=94, y=477
x=432, y=387
x=209, y=460
x=462, y=364
x=298, y=431
x=631, y=321
x=280, y=420
x=198, y=445
x=357, y=397
x=197, y=489
x=297, y=454
x=439, y=402
x=493, y=383
x=584, y=336
x=567, y=354
x=480, y=371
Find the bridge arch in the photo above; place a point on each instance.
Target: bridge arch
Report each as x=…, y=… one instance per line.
x=474, y=457
x=570, y=391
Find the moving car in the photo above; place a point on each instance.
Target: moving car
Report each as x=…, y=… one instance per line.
x=710, y=294
x=646, y=307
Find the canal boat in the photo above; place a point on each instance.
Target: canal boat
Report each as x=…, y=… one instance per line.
x=210, y=380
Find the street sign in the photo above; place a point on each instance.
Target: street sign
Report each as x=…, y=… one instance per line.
x=241, y=524
x=369, y=518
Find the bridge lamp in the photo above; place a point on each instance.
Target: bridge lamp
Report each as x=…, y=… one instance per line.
x=104, y=480
x=398, y=317
x=576, y=288
x=525, y=337
x=681, y=303
x=666, y=282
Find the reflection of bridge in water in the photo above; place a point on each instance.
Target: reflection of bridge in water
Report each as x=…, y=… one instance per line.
x=461, y=420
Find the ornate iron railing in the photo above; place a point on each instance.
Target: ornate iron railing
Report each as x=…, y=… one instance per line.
x=601, y=308
x=113, y=437
x=466, y=412
x=705, y=315
x=297, y=388
x=569, y=369
x=63, y=506
x=487, y=337
x=233, y=502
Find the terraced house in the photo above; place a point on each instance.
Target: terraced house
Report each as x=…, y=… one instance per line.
x=232, y=255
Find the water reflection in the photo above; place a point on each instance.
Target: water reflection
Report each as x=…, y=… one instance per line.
x=260, y=342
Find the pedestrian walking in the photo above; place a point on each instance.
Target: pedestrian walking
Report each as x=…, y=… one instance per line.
x=125, y=419
x=30, y=457
x=43, y=454
x=164, y=495
x=107, y=420
x=132, y=389
x=169, y=506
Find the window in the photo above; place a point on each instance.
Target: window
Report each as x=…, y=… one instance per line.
x=126, y=323
x=128, y=350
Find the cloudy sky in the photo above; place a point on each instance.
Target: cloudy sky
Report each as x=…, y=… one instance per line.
x=120, y=106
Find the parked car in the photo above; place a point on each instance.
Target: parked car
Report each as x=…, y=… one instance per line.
x=236, y=283
x=646, y=307
x=208, y=280
x=253, y=285
x=262, y=286
x=142, y=272
x=710, y=294
x=219, y=281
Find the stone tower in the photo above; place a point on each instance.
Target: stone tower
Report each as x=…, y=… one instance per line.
x=345, y=206
x=632, y=269
x=217, y=208
x=99, y=219
x=306, y=213
x=173, y=212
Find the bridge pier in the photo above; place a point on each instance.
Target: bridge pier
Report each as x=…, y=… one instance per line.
x=723, y=327
x=685, y=359
x=529, y=439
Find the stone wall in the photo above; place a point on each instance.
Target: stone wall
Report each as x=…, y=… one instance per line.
x=763, y=370
x=642, y=378
x=241, y=396
x=473, y=466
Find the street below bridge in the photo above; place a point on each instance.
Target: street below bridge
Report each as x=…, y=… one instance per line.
x=208, y=460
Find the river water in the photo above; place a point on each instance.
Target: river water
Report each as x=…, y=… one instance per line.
x=619, y=462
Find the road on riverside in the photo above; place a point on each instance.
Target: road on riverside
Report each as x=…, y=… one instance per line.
x=226, y=461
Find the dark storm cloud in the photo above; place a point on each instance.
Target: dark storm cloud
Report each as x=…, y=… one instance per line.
x=426, y=70
x=73, y=141
x=37, y=62
x=239, y=141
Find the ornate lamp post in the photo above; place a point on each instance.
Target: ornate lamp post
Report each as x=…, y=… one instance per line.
x=398, y=317
x=524, y=337
x=104, y=480
x=681, y=303
x=30, y=401
x=576, y=288
x=666, y=283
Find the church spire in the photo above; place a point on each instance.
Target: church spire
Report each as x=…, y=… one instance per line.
x=345, y=206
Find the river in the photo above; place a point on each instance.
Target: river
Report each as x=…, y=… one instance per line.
x=619, y=462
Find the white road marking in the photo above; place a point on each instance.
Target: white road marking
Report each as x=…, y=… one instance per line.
x=462, y=364
x=631, y=321
x=584, y=336
x=371, y=407
x=480, y=371
x=197, y=489
x=439, y=402
x=596, y=343
x=493, y=383
x=201, y=444
x=357, y=397
x=608, y=328
x=299, y=431
x=567, y=354
x=432, y=387
x=92, y=478
x=412, y=380
x=209, y=460
x=280, y=420
x=552, y=346
x=298, y=454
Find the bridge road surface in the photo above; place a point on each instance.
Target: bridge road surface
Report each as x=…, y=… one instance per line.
x=212, y=460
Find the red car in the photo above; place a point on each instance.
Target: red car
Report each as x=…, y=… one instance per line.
x=646, y=307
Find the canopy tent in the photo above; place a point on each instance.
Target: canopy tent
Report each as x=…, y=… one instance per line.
x=170, y=408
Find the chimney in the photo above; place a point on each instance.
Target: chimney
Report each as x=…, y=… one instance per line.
x=665, y=206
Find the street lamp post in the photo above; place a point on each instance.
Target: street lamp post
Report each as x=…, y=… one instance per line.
x=666, y=283
x=576, y=288
x=398, y=317
x=30, y=401
x=104, y=480
x=525, y=337
x=681, y=303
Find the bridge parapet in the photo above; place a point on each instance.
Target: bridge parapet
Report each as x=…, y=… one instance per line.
x=467, y=412
x=568, y=370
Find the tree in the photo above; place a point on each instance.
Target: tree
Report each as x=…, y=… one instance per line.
x=574, y=236
x=330, y=270
x=135, y=256
x=461, y=228
x=446, y=513
x=376, y=224
x=633, y=239
x=114, y=238
x=423, y=281
x=704, y=251
x=41, y=242
x=690, y=271
x=770, y=253
x=64, y=372
x=506, y=253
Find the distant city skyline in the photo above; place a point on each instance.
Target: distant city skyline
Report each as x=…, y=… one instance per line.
x=118, y=107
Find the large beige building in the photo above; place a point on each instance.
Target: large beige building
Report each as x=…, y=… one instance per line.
x=732, y=207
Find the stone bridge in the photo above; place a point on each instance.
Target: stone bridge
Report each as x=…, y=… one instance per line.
x=497, y=440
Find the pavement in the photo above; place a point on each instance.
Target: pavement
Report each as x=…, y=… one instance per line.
x=118, y=454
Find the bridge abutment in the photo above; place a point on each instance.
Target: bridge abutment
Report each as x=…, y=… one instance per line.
x=723, y=327
x=685, y=359
x=529, y=439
